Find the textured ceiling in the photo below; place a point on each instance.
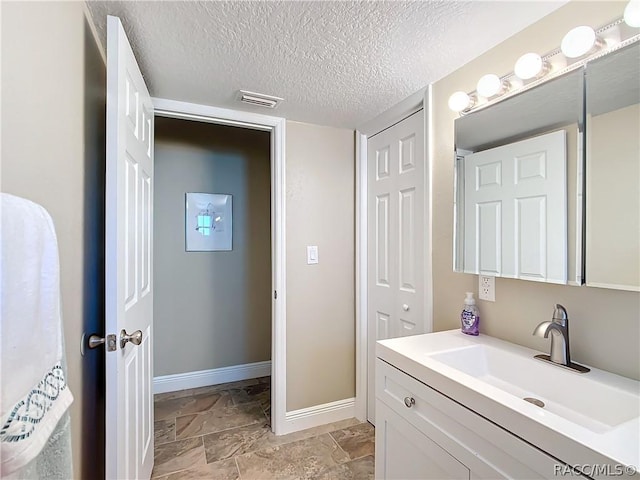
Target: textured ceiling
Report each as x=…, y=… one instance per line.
x=335, y=63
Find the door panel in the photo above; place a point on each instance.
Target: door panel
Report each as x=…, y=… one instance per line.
x=489, y=237
x=396, y=198
x=382, y=240
x=515, y=218
x=531, y=236
x=406, y=244
x=129, y=262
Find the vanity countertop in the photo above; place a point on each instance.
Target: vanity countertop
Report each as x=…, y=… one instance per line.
x=588, y=419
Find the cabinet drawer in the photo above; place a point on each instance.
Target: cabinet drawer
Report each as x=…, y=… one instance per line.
x=486, y=449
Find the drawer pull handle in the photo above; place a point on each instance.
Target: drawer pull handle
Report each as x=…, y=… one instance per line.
x=409, y=401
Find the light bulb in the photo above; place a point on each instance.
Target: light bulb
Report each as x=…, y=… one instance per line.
x=530, y=65
x=579, y=41
x=460, y=101
x=490, y=85
x=632, y=13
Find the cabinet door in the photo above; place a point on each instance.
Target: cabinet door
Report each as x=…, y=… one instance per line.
x=404, y=453
x=489, y=451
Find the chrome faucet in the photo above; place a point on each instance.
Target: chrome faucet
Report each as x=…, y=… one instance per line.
x=559, y=329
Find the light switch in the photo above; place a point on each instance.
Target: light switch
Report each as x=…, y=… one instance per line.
x=312, y=254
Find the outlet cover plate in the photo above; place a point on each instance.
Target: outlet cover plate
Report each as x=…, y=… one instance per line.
x=487, y=288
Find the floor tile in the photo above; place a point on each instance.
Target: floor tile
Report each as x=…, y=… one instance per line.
x=158, y=397
x=164, y=431
x=175, y=456
x=238, y=441
x=176, y=407
x=360, y=469
x=161, y=397
x=357, y=441
x=224, y=470
x=224, y=430
x=219, y=419
x=267, y=411
x=304, y=459
x=260, y=392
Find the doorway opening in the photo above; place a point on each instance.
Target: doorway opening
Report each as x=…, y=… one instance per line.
x=212, y=272
x=232, y=299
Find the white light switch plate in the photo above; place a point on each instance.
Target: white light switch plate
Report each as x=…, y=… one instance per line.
x=312, y=254
x=487, y=288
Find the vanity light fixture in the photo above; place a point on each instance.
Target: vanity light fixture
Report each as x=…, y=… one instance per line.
x=460, y=101
x=530, y=65
x=632, y=13
x=578, y=46
x=491, y=85
x=579, y=41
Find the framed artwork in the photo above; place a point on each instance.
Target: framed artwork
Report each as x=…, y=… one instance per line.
x=208, y=222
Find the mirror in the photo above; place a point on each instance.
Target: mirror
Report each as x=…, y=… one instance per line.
x=613, y=170
x=518, y=201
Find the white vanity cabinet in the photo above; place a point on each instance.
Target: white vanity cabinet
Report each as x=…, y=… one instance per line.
x=422, y=434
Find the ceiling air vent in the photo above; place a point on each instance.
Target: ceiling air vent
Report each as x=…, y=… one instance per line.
x=259, y=99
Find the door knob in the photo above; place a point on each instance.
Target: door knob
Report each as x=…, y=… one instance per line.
x=95, y=341
x=405, y=307
x=135, y=338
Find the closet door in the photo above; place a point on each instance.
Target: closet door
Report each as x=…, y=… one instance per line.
x=396, y=203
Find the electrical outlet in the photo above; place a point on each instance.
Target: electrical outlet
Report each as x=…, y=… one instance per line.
x=487, y=288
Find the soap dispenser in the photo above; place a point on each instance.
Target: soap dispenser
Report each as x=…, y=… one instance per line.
x=470, y=316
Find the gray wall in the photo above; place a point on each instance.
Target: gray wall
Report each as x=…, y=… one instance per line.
x=211, y=309
x=605, y=324
x=53, y=153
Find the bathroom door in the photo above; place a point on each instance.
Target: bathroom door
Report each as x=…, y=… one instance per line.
x=396, y=225
x=129, y=287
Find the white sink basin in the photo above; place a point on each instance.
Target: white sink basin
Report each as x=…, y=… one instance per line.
x=587, y=418
x=574, y=396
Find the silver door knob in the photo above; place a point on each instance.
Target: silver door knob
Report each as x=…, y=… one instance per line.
x=405, y=307
x=96, y=340
x=135, y=338
x=409, y=401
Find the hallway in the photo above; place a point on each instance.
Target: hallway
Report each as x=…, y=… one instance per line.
x=223, y=432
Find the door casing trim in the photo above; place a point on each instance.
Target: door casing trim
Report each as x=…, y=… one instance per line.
x=277, y=127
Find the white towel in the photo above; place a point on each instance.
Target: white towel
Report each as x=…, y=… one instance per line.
x=34, y=393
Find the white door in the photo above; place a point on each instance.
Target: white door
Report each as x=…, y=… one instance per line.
x=395, y=238
x=129, y=255
x=515, y=219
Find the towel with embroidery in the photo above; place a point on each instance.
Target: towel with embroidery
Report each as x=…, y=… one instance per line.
x=34, y=394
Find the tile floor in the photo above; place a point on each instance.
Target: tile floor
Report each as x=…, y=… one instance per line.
x=223, y=432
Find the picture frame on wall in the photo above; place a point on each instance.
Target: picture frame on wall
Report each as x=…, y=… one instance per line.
x=208, y=222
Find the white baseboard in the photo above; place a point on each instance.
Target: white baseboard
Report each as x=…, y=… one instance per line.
x=318, y=415
x=215, y=376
